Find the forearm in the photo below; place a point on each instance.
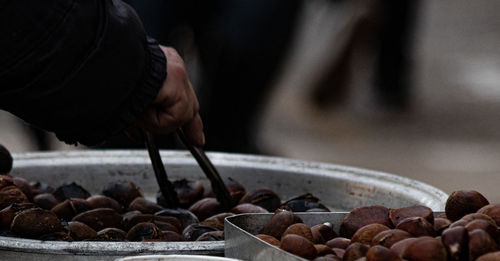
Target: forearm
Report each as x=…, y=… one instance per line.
x=83, y=69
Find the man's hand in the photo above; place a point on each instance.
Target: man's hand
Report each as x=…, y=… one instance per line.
x=176, y=105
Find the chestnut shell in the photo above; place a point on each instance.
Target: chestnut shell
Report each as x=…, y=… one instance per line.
x=265, y=198
x=35, y=222
x=122, y=191
x=71, y=190
x=363, y=216
x=100, y=218
x=463, y=202
x=144, y=231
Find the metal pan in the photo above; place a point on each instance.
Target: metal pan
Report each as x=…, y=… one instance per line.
x=175, y=258
x=241, y=243
x=339, y=187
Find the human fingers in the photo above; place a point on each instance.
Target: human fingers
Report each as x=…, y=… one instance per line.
x=193, y=131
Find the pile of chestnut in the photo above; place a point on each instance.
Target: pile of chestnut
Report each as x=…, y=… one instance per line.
x=121, y=212
x=467, y=230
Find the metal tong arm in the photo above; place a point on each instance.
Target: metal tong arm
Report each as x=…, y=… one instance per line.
x=166, y=187
x=218, y=187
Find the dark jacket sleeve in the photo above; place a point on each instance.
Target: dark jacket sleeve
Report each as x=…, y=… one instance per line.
x=83, y=69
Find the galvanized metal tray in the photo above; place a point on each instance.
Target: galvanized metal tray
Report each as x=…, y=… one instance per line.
x=241, y=243
x=339, y=187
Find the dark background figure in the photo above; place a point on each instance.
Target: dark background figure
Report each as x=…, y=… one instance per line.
x=394, y=49
x=240, y=46
x=387, y=28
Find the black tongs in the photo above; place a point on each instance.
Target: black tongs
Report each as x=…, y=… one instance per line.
x=166, y=187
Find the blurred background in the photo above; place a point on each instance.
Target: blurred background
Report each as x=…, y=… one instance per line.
x=406, y=87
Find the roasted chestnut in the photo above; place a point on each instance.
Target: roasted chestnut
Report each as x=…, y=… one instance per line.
x=144, y=206
x=303, y=203
x=329, y=257
x=269, y=239
x=493, y=256
x=299, y=229
x=100, y=218
x=424, y=249
x=170, y=236
x=279, y=222
x=35, y=222
x=456, y=242
x=363, y=216
x=480, y=243
x=171, y=220
x=388, y=238
x=192, y=232
x=5, y=181
x=339, y=254
x=71, y=207
x=400, y=246
x=323, y=250
x=111, y=234
x=440, y=224
x=321, y=233
x=338, y=242
x=417, y=226
x=463, y=202
x=216, y=221
x=473, y=216
x=299, y=246
x=45, y=200
x=489, y=228
x=236, y=190
x=211, y=236
x=24, y=186
x=101, y=201
x=355, y=251
x=380, y=253
x=248, y=208
x=166, y=226
x=459, y=223
x=398, y=214
x=365, y=234
x=493, y=211
x=265, y=198
x=7, y=214
x=11, y=194
x=144, y=231
x=184, y=216
x=71, y=190
x=164, y=223
x=80, y=231
x=122, y=191
x=188, y=191
x=205, y=208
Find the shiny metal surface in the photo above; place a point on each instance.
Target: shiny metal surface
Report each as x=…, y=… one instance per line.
x=240, y=242
x=339, y=187
x=176, y=258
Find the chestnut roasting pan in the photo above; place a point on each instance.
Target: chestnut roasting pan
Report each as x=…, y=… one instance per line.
x=241, y=243
x=338, y=187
